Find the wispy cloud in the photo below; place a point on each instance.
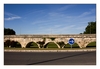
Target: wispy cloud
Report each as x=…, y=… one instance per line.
x=87, y=13
x=10, y=16
x=32, y=12
x=62, y=23
x=82, y=27
x=65, y=7
x=63, y=28
x=46, y=19
x=40, y=22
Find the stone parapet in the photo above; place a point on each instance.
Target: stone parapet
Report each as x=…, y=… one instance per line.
x=53, y=35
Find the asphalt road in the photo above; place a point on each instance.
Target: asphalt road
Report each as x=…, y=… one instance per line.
x=50, y=58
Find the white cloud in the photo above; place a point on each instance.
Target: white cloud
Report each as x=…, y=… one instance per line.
x=93, y=10
x=33, y=12
x=39, y=22
x=65, y=7
x=62, y=23
x=58, y=29
x=87, y=13
x=84, y=14
x=64, y=29
x=82, y=27
x=10, y=16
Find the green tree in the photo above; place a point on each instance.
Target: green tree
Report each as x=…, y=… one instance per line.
x=8, y=31
x=42, y=42
x=7, y=43
x=91, y=28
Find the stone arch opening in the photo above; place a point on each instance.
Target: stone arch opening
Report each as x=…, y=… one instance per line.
x=7, y=43
x=61, y=44
x=51, y=45
x=75, y=45
x=91, y=45
x=31, y=45
x=12, y=44
x=15, y=44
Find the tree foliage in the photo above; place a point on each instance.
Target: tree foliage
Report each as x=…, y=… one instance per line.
x=52, y=39
x=61, y=44
x=8, y=31
x=91, y=28
x=42, y=42
x=9, y=43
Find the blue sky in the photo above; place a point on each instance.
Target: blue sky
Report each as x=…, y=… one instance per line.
x=48, y=18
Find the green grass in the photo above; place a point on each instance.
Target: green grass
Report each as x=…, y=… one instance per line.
x=31, y=45
x=51, y=45
x=75, y=45
x=93, y=44
x=46, y=48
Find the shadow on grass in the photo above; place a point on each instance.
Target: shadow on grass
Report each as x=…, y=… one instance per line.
x=90, y=46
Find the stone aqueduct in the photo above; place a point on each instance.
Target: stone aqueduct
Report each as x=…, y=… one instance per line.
x=81, y=39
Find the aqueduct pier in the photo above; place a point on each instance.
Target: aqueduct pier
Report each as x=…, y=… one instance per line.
x=81, y=39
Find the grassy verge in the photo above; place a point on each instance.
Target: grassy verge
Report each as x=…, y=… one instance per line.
x=47, y=48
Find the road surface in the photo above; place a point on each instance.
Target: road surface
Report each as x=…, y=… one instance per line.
x=50, y=58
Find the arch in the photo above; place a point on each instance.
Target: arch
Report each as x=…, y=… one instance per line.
x=75, y=45
x=7, y=43
x=86, y=43
x=15, y=44
x=61, y=44
x=91, y=44
x=32, y=45
x=51, y=45
x=12, y=43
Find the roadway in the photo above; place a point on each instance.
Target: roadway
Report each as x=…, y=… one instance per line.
x=50, y=58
